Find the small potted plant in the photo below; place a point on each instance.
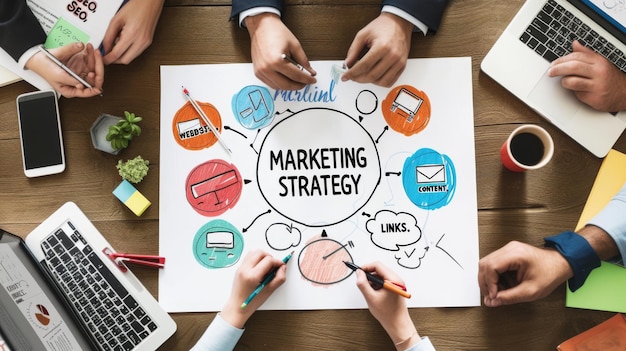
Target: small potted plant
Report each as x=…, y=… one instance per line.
x=132, y=171
x=112, y=134
x=121, y=133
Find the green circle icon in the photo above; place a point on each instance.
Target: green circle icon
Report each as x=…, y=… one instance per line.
x=217, y=244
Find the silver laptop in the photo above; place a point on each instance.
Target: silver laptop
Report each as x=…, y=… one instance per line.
x=539, y=33
x=59, y=291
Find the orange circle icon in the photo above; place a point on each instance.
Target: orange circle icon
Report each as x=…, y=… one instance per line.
x=406, y=110
x=190, y=130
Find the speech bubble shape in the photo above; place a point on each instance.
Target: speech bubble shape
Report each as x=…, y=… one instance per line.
x=390, y=230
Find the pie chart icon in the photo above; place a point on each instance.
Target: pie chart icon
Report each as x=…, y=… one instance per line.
x=42, y=315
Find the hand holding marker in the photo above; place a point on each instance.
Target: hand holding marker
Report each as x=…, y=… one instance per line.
x=385, y=284
x=265, y=281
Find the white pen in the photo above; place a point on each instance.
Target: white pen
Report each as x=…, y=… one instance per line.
x=299, y=66
x=64, y=67
x=206, y=119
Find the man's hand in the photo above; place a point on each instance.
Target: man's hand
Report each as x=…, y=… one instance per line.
x=131, y=30
x=387, y=40
x=595, y=81
x=519, y=272
x=270, y=38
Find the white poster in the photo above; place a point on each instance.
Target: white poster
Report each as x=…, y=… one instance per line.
x=338, y=171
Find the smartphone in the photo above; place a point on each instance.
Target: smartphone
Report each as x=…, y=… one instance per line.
x=40, y=133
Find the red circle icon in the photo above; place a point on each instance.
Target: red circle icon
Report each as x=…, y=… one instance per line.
x=213, y=187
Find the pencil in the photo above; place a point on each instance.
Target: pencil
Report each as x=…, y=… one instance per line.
x=64, y=67
x=265, y=281
x=206, y=119
x=385, y=284
x=295, y=63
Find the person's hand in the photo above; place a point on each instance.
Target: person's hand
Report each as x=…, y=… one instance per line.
x=519, y=272
x=131, y=30
x=255, y=267
x=595, y=81
x=387, y=307
x=82, y=59
x=387, y=40
x=270, y=39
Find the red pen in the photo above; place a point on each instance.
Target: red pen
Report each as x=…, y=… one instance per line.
x=145, y=260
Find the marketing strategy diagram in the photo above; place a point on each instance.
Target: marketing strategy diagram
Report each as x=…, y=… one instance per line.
x=337, y=171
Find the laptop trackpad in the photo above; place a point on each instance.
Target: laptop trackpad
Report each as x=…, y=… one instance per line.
x=553, y=101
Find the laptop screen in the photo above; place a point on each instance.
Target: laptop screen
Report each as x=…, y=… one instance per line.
x=614, y=11
x=31, y=316
x=610, y=14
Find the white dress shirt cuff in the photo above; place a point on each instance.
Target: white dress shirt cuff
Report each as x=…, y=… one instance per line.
x=27, y=55
x=219, y=336
x=407, y=17
x=255, y=11
x=612, y=220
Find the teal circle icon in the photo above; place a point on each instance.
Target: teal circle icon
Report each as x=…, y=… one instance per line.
x=217, y=244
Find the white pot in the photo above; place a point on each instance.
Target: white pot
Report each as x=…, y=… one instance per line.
x=99, y=131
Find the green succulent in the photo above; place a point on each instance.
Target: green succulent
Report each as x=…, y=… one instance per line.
x=133, y=170
x=121, y=133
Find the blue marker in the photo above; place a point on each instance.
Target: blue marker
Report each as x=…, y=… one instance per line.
x=265, y=281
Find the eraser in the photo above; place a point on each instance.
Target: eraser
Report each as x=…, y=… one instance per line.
x=336, y=71
x=131, y=197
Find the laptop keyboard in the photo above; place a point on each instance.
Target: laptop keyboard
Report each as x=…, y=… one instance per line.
x=553, y=30
x=107, y=309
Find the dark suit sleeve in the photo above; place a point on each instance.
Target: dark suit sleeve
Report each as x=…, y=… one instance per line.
x=19, y=29
x=239, y=6
x=428, y=12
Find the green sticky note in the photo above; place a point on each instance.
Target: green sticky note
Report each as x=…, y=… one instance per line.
x=603, y=290
x=64, y=33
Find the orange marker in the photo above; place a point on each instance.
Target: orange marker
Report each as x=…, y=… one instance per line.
x=391, y=286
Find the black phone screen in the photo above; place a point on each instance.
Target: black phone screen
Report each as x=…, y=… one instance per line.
x=41, y=140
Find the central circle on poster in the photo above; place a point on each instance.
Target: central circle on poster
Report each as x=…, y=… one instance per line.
x=318, y=167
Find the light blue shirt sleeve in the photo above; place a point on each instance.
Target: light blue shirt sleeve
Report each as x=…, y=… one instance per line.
x=612, y=219
x=424, y=345
x=219, y=336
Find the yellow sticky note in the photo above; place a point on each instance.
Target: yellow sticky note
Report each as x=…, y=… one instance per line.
x=137, y=203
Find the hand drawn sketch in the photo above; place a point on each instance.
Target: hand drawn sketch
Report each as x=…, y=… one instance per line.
x=217, y=244
x=347, y=172
x=321, y=260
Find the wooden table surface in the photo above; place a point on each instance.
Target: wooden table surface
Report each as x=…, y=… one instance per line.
x=511, y=206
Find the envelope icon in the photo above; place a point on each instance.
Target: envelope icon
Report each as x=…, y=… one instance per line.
x=431, y=174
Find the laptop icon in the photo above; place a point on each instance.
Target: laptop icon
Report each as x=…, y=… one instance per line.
x=58, y=290
x=539, y=33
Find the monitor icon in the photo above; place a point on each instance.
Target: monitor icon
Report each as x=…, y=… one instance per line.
x=408, y=103
x=214, y=184
x=220, y=240
x=258, y=109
